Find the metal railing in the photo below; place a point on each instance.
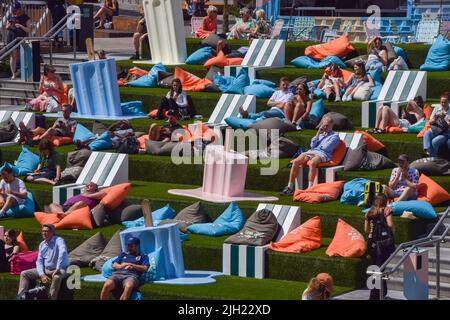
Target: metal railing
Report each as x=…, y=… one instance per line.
x=411, y=246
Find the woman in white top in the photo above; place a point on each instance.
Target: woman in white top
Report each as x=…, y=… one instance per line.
x=386, y=117
x=432, y=141
x=175, y=99
x=376, y=55
x=12, y=191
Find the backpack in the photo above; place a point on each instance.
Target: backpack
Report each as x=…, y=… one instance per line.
x=129, y=145
x=8, y=130
x=382, y=240
x=371, y=190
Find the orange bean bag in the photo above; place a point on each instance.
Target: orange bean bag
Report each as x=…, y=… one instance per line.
x=321, y=192
x=347, y=242
x=204, y=133
x=122, y=83
x=191, y=82
x=141, y=140
x=430, y=191
x=152, y=114
x=344, y=74
x=394, y=130
x=305, y=238
x=336, y=158
x=60, y=141
x=234, y=61
x=21, y=243
x=427, y=110
x=339, y=47
x=46, y=218
x=78, y=219
x=219, y=61
x=425, y=129
x=373, y=144
x=138, y=71
x=115, y=195
x=201, y=34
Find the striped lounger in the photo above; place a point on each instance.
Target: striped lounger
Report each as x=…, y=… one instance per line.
x=228, y=106
x=262, y=54
x=250, y=261
x=105, y=169
x=398, y=89
x=352, y=140
x=28, y=119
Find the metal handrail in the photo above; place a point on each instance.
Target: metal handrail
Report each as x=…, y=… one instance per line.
x=412, y=246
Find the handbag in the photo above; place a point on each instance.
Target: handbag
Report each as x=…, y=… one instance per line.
x=440, y=125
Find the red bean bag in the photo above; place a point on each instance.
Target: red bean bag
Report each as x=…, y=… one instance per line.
x=141, y=140
x=305, y=238
x=191, y=82
x=373, y=144
x=339, y=47
x=46, y=218
x=115, y=195
x=337, y=156
x=425, y=129
x=394, y=130
x=21, y=243
x=430, y=191
x=78, y=219
x=321, y=192
x=219, y=61
x=347, y=242
x=201, y=34
x=204, y=133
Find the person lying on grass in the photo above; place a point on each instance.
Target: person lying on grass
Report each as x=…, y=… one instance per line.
x=89, y=198
x=48, y=170
x=127, y=269
x=12, y=191
x=323, y=145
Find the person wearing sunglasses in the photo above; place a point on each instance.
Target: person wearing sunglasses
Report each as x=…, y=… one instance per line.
x=244, y=26
x=403, y=182
x=51, y=88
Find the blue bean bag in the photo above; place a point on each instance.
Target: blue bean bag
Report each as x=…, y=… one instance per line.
x=399, y=52
x=26, y=163
x=232, y=84
x=229, y=222
x=239, y=123
x=305, y=62
x=132, y=108
x=82, y=133
x=200, y=56
x=354, y=191
x=421, y=209
x=438, y=57
x=166, y=212
x=25, y=210
x=150, y=80
x=265, y=82
x=317, y=109
x=376, y=90
x=259, y=90
x=103, y=142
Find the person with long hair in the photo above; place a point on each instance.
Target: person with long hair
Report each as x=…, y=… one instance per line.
x=358, y=79
x=48, y=170
x=380, y=229
x=109, y=9
x=302, y=105
x=51, y=88
x=175, y=99
x=377, y=57
x=8, y=248
x=332, y=83
x=319, y=288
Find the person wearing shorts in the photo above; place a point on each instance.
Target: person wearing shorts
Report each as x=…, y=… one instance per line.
x=63, y=127
x=12, y=191
x=403, y=182
x=127, y=269
x=89, y=198
x=323, y=145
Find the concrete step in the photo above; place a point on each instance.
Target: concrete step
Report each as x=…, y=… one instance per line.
x=19, y=93
x=17, y=84
x=12, y=101
x=62, y=60
x=61, y=69
x=102, y=33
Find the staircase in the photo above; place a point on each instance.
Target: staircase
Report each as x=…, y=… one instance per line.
x=61, y=63
x=17, y=93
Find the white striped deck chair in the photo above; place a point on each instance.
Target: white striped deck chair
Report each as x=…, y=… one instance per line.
x=250, y=261
x=104, y=168
x=428, y=28
x=28, y=119
x=398, y=89
x=262, y=54
x=328, y=174
x=228, y=106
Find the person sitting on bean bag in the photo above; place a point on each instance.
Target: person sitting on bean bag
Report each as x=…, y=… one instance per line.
x=12, y=191
x=244, y=26
x=377, y=57
x=48, y=170
x=433, y=140
x=263, y=27
x=322, y=146
x=118, y=131
x=359, y=78
x=209, y=23
x=302, y=104
x=332, y=84
x=386, y=117
x=403, y=182
x=175, y=99
x=127, y=269
x=89, y=198
x=8, y=248
x=164, y=133
x=280, y=103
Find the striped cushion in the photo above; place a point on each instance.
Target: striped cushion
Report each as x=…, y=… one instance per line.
x=287, y=216
x=264, y=53
x=228, y=106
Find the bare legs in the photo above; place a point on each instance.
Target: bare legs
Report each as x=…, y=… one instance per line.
x=109, y=286
x=13, y=63
x=407, y=194
x=57, y=208
x=299, y=110
x=386, y=118
x=300, y=162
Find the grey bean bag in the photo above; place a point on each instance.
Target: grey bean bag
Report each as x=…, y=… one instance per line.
x=258, y=230
x=432, y=166
x=341, y=122
x=360, y=159
x=88, y=250
x=112, y=249
x=194, y=213
x=353, y=61
x=273, y=123
x=125, y=212
x=391, y=55
x=165, y=79
x=98, y=216
x=8, y=130
x=75, y=163
x=212, y=72
x=98, y=127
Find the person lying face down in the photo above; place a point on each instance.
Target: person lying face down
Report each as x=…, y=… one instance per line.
x=89, y=198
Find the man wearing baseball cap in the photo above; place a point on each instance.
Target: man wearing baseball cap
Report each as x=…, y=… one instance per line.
x=403, y=182
x=127, y=269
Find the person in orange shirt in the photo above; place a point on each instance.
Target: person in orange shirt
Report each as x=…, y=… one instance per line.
x=209, y=25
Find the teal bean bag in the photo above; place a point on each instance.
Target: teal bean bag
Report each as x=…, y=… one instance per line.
x=25, y=210
x=82, y=134
x=421, y=209
x=166, y=212
x=149, y=80
x=438, y=57
x=354, y=191
x=200, y=56
x=259, y=90
x=132, y=108
x=26, y=163
x=103, y=142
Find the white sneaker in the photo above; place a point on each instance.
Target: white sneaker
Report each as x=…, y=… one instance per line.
x=344, y=98
x=337, y=99
x=349, y=98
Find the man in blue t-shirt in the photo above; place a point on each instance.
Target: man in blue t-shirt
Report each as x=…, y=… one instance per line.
x=127, y=269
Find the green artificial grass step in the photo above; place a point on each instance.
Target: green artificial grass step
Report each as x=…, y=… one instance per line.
x=225, y=287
